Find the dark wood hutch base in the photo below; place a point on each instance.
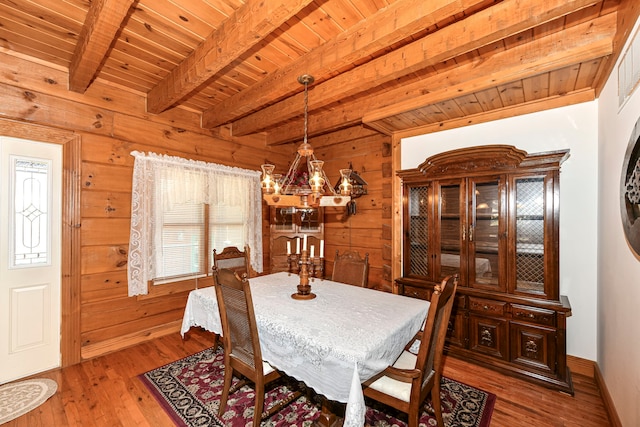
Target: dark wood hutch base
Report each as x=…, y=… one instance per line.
x=494, y=332
x=491, y=214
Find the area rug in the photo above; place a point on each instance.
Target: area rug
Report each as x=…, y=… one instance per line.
x=189, y=391
x=18, y=398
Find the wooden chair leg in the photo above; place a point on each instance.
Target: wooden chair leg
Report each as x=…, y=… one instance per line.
x=436, y=401
x=414, y=416
x=259, y=408
x=228, y=376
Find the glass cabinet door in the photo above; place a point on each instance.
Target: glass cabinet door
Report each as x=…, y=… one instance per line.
x=452, y=226
x=484, y=231
x=310, y=220
x=417, y=262
x=284, y=220
x=529, y=234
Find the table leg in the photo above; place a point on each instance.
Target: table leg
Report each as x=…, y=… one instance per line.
x=329, y=414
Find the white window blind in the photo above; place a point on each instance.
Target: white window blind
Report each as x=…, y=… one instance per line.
x=182, y=242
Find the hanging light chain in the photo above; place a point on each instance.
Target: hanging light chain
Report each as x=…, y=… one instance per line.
x=306, y=109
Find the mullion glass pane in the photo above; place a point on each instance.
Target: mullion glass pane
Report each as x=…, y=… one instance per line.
x=530, y=234
x=226, y=228
x=418, y=231
x=486, y=231
x=31, y=212
x=450, y=226
x=182, y=241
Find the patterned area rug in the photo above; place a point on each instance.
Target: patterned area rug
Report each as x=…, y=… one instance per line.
x=18, y=398
x=189, y=390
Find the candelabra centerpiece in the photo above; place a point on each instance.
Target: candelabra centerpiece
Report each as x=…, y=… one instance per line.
x=305, y=265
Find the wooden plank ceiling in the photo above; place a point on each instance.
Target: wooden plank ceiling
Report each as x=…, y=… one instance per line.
x=407, y=66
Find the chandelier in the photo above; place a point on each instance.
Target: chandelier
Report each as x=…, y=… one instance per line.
x=310, y=186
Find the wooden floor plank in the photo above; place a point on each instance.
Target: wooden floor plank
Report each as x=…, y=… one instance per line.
x=106, y=391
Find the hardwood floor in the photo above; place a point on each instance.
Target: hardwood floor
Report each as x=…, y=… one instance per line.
x=106, y=392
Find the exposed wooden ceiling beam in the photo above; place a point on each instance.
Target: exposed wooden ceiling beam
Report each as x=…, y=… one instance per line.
x=547, y=53
x=248, y=25
x=577, y=97
x=103, y=22
x=481, y=29
x=388, y=26
x=555, y=51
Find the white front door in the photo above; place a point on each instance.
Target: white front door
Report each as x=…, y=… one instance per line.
x=30, y=262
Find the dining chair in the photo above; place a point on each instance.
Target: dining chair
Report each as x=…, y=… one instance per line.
x=242, y=355
x=233, y=258
x=351, y=269
x=406, y=384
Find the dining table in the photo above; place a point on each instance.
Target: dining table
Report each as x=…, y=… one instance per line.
x=333, y=342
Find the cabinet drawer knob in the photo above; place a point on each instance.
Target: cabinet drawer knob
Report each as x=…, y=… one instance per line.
x=486, y=307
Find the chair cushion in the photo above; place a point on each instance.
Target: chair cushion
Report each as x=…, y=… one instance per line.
x=415, y=347
x=395, y=388
x=266, y=368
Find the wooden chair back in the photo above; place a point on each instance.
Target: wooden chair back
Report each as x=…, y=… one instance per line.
x=240, y=337
x=350, y=268
x=431, y=350
x=239, y=330
x=420, y=373
x=234, y=259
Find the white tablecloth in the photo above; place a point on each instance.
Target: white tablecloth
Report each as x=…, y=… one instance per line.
x=334, y=342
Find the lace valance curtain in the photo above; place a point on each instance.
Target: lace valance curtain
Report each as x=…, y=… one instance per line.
x=185, y=181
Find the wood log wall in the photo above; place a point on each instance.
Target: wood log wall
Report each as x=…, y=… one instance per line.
x=368, y=231
x=109, y=123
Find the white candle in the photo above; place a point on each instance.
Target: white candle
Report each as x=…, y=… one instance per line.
x=322, y=248
x=297, y=246
x=304, y=245
x=288, y=247
x=313, y=248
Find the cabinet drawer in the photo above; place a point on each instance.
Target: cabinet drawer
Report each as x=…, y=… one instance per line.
x=416, y=292
x=487, y=306
x=533, y=315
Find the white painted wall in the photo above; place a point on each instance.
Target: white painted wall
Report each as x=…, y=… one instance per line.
x=619, y=270
x=575, y=128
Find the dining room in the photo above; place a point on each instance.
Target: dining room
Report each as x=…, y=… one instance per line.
x=225, y=88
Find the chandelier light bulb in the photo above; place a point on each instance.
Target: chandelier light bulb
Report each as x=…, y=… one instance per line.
x=267, y=178
x=345, y=185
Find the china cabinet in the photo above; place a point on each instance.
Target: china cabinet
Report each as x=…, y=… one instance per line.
x=491, y=214
x=287, y=225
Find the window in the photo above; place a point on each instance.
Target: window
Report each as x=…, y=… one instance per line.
x=629, y=70
x=181, y=211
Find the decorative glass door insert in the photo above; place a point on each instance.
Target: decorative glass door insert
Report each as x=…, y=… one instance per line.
x=419, y=231
x=30, y=206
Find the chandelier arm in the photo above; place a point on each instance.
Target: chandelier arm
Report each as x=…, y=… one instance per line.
x=328, y=183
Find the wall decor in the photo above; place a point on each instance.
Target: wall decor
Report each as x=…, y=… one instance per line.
x=630, y=191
